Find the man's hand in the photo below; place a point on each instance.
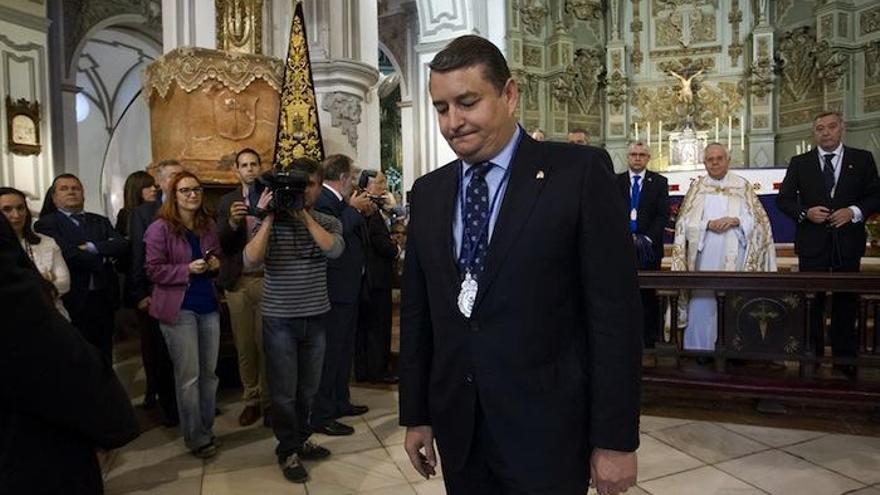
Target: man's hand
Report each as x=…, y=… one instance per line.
x=818, y=214
x=840, y=217
x=418, y=438
x=362, y=203
x=611, y=471
x=237, y=211
x=144, y=304
x=721, y=225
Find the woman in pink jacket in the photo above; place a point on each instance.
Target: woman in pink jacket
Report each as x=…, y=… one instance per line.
x=182, y=252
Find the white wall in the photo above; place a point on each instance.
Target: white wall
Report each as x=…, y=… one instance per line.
x=24, y=73
x=109, y=72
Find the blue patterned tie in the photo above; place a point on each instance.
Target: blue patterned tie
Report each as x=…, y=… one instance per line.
x=475, y=219
x=634, y=201
x=828, y=172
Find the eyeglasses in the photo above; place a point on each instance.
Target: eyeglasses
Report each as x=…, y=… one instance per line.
x=186, y=191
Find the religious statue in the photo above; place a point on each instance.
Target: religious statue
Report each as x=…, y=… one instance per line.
x=686, y=93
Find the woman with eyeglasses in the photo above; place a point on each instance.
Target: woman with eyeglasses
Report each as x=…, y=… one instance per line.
x=182, y=254
x=41, y=249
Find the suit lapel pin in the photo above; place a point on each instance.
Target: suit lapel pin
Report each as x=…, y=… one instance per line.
x=539, y=175
x=849, y=166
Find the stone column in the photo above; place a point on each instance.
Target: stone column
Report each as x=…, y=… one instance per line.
x=762, y=99
x=188, y=23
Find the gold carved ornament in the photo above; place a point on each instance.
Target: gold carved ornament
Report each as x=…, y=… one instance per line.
x=299, y=133
x=240, y=25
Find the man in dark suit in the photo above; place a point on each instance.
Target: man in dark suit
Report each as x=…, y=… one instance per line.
x=344, y=283
x=647, y=194
x=59, y=398
x=157, y=362
x=521, y=322
x=90, y=245
x=244, y=284
x=830, y=192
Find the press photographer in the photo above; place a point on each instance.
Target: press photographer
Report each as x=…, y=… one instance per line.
x=294, y=245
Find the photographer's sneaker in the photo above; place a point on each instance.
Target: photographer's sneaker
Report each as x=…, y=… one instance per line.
x=293, y=469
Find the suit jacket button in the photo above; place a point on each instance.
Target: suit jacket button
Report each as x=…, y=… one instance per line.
x=469, y=378
x=474, y=326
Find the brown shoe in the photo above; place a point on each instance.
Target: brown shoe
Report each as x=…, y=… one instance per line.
x=249, y=416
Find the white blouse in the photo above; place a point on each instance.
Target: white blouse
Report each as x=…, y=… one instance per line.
x=47, y=257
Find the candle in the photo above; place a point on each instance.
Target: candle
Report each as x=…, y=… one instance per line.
x=742, y=132
x=648, y=135
x=797, y=149
x=729, y=132
x=716, y=129
x=637, y=131
x=660, y=139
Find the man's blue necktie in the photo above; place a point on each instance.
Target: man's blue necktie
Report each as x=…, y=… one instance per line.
x=634, y=201
x=474, y=218
x=828, y=172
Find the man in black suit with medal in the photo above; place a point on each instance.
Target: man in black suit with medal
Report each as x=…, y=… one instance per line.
x=830, y=192
x=647, y=193
x=520, y=321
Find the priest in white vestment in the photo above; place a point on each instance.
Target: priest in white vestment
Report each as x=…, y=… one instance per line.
x=721, y=226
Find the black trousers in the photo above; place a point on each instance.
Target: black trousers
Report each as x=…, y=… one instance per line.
x=485, y=472
x=91, y=312
x=844, y=307
x=158, y=368
x=372, y=352
x=333, y=395
x=651, y=310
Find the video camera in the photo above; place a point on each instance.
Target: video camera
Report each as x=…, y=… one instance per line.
x=288, y=191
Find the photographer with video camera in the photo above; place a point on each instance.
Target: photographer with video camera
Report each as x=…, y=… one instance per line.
x=294, y=242
x=372, y=354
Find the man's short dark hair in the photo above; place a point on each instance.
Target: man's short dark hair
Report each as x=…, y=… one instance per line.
x=65, y=176
x=246, y=151
x=470, y=51
x=307, y=165
x=335, y=166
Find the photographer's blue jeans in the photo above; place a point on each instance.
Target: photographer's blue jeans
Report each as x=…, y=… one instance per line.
x=294, y=353
x=193, y=344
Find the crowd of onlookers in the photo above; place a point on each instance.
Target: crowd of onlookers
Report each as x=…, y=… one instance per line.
x=308, y=290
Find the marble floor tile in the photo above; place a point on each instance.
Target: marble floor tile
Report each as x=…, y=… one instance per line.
x=434, y=486
x=244, y=449
x=854, y=456
x=263, y=480
x=158, y=456
x=362, y=439
x=405, y=489
x=708, y=442
x=381, y=402
x=866, y=491
x=183, y=486
x=636, y=490
x=353, y=473
x=701, y=481
x=656, y=459
x=780, y=473
x=648, y=424
x=388, y=429
x=774, y=437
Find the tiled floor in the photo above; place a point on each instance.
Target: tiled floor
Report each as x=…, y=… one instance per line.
x=677, y=457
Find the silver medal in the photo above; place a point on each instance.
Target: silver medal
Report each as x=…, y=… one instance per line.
x=467, y=295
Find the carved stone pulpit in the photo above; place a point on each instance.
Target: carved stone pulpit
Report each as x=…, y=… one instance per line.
x=206, y=105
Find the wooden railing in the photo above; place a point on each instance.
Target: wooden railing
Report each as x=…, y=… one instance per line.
x=744, y=326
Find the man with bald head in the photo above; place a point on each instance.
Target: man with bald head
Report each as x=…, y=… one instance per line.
x=721, y=226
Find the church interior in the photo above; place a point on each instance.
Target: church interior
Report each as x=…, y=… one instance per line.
x=102, y=89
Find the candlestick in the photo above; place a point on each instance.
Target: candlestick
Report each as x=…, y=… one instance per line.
x=648, y=135
x=742, y=132
x=729, y=132
x=637, y=131
x=716, y=129
x=660, y=139
x=797, y=149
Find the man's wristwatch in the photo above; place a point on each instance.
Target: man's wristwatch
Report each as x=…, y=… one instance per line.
x=802, y=215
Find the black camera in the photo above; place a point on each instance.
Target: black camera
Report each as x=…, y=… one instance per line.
x=288, y=191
